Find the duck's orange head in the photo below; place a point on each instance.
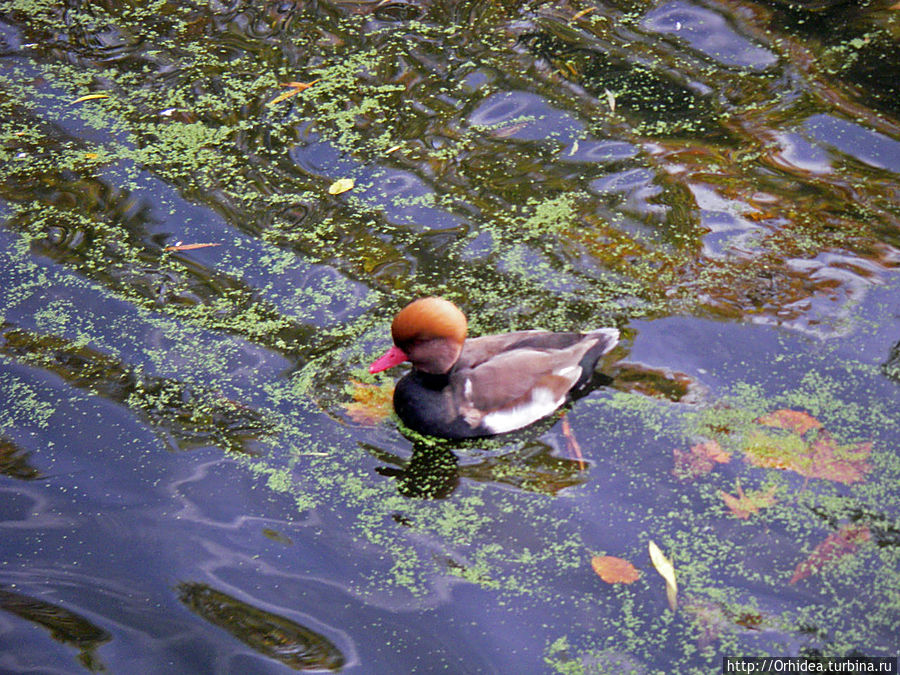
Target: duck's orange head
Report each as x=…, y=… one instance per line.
x=429, y=332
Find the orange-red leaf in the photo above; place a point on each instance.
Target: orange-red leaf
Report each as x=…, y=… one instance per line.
x=699, y=460
x=614, y=570
x=836, y=545
x=371, y=402
x=187, y=247
x=844, y=464
x=793, y=420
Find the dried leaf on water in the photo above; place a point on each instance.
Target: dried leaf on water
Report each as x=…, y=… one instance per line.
x=89, y=97
x=667, y=570
x=793, y=420
x=835, y=546
x=580, y=14
x=371, y=403
x=820, y=458
x=572, y=442
x=746, y=504
x=341, y=185
x=614, y=570
x=187, y=247
x=295, y=88
x=699, y=460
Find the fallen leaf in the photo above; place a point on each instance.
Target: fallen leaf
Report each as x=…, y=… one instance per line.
x=756, y=216
x=572, y=442
x=713, y=620
x=610, y=100
x=580, y=14
x=393, y=148
x=341, y=185
x=91, y=155
x=749, y=503
x=89, y=97
x=614, y=570
x=793, y=420
x=187, y=247
x=836, y=545
x=821, y=458
x=295, y=88
x=699, y=460
x=371, y=403
x=667, y=570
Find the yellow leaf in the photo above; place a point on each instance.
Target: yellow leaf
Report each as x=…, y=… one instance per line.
x=580, y=14
x=91, y=155
x=341, y=185
x=371, y=402
x=667, y=570
x=89, y=97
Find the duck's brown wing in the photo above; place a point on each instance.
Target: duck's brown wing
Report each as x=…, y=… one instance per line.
x=518, y=386
x=482, y=349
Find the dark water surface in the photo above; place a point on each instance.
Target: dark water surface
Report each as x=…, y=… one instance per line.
x=186, y=486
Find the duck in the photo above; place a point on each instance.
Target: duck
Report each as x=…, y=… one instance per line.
x=462, y=387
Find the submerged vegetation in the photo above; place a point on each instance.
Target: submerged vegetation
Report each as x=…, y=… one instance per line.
x=720, y=180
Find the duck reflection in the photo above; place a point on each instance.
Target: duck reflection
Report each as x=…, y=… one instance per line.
x=64, y=626
x=271, y=635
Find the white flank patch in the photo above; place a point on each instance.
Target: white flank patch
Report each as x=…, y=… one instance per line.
x=611, y=333
x=571, y=373
x=541, y=404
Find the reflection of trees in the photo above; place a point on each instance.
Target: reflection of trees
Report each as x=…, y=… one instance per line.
x=14, y=461
x=433, y=471
x=652, y=95
x=891, y=367
x=64, y=626
x=189, y=413
x=271, y=635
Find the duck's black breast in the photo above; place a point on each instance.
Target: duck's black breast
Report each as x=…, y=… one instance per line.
x=426, y=403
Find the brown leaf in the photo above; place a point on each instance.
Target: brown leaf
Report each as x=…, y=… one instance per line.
x=836, y=545
x=614, y=570
x=295, y=88
x=699, y=460
x=371, y=402
x=187, y=247
x=760, y=215
x=793, y=420
x=744, y=505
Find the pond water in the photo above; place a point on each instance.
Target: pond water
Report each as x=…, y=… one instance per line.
x=197, y=472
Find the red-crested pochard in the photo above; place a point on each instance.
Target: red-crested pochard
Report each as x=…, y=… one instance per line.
x=461, y=388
